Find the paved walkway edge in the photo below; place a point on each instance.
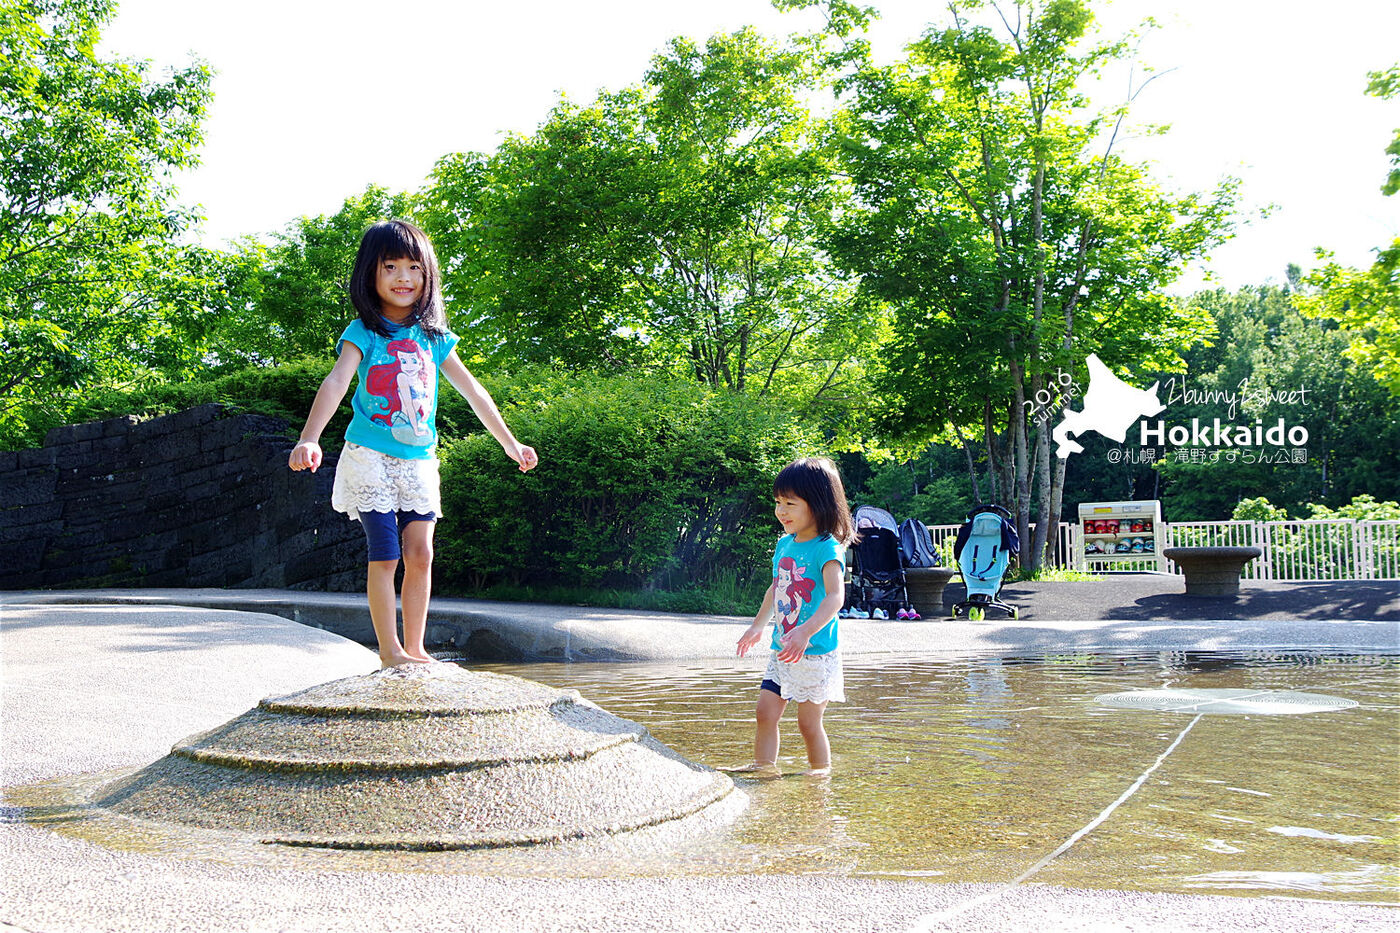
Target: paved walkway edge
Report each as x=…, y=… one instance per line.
x=501, y=631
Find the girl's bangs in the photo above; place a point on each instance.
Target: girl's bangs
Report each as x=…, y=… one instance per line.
x=395, y=241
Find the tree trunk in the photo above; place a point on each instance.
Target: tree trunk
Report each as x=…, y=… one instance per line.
x=1042, y=484
x=1057, y=496
x=1021, y=457
x=971, y=464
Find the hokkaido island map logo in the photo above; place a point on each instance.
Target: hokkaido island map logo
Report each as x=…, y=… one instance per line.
x=1112, y=407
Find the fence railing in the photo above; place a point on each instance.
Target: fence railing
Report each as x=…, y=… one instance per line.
x=1322, y=549
x=1293, y=551
x=1061, y=554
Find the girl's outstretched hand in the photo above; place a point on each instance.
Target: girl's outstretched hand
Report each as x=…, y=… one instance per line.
x=305, y=456
x=750, y=638
x=525, y=456
x=794, y=644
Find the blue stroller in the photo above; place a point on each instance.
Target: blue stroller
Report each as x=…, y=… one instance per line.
x=983, y=548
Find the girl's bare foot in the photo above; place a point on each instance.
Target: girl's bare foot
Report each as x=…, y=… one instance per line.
x=399, y=660
x=818, y=772
x=421, y=657
x=759, y=769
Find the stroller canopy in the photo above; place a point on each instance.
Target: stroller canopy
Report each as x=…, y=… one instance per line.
x=869, y=516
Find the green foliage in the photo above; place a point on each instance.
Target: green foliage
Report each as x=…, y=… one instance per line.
x=292, y=299
x=1366, y=302
x=643, y=482
x=668, y=227
x=1009, y=249
x=95, y=285
x=284, y=391
x=1360, y=508
x=1265, y=354
x=932, y=487
x=1258, y=510
x=1386, y=85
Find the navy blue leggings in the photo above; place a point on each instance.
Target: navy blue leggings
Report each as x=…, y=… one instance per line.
x=382, y=530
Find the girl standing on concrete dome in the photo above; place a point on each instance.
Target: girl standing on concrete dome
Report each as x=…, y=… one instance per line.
x=387, y=475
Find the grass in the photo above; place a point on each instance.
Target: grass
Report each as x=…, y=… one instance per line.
x=1052, y=575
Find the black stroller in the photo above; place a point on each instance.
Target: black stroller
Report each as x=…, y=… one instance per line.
x=983, y=548
x=877, y=573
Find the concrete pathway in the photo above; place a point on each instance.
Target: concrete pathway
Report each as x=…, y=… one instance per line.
x=91, y=686
x=1148, y=611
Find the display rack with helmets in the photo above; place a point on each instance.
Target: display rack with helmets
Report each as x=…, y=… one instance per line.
x=1120, y=536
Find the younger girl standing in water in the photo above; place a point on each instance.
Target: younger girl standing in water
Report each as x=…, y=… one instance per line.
x=806, y=593
x=387, y=475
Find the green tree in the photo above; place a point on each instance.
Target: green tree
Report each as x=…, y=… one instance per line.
x=291, y=298
x=1008, y=246
x=671, y=226
x=1366, y=302
x=93, y=282
x=1386, y=85
x=1278, y=364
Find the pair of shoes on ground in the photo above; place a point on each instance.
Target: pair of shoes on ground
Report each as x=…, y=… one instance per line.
x=854, y=613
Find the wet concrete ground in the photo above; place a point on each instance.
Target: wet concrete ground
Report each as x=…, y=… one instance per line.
x=96, y=687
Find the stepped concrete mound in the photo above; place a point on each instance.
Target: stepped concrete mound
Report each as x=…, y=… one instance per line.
x=427, y=757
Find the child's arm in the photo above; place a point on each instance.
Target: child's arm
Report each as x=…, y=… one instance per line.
x=480, y=400
x=307, y=453
x=795, y=642
x=754, y=632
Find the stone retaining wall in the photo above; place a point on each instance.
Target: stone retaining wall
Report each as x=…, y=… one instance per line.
x=202, y=498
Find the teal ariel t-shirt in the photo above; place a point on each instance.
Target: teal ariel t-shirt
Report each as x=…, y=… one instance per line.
x=798, y=570
x=395, y=401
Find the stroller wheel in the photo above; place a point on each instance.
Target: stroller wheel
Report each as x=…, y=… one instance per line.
x=976, y=614
x=1015, y=613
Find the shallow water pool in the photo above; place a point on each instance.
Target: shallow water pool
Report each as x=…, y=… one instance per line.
x=981, y=769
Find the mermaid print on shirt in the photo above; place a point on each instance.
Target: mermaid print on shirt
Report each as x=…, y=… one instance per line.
x=794, y=592
x=407, y=390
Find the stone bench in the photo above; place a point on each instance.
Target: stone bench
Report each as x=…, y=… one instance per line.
x=1212, y=571
x=925, y=586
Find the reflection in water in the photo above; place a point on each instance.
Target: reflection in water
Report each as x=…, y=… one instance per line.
x=973, y=769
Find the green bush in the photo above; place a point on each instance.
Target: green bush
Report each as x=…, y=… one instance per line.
x=1258, y=510
x=643, y=483
x=282, y=391
x=1362, y=508
x=651, y=492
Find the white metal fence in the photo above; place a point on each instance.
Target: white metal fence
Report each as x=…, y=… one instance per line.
x=1061, y=556
x=1326, y=549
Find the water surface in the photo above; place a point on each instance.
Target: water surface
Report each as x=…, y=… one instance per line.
x=975, y=769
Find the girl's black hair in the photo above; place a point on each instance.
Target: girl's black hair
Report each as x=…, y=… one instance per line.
x=397, y=239
x=816, y=481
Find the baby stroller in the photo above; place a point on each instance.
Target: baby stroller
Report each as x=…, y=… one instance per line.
x=877, y=572
x=983, y=548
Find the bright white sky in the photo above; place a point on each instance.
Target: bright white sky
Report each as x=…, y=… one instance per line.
x=315, y=99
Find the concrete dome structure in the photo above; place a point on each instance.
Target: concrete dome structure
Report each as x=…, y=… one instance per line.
x=429, y=757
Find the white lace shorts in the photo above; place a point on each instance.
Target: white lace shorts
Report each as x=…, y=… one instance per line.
x=817, y=678
x=369, y=481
